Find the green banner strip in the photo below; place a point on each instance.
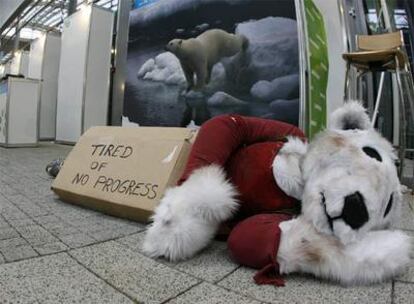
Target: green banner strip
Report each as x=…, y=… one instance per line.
x=318, y=69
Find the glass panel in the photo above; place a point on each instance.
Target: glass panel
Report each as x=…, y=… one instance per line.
x=402, y=13
x=374, y=17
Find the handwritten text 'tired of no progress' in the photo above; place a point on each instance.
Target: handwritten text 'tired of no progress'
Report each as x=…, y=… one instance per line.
x=114, y=185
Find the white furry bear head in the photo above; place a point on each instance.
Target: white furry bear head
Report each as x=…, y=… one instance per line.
x=350, y=179
x=174, y=46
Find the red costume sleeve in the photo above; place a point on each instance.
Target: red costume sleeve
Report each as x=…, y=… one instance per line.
x=220, y=136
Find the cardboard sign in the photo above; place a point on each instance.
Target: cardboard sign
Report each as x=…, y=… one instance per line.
x=123, y=171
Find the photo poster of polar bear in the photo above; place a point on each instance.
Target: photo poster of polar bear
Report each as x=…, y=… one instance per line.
x=191, y=60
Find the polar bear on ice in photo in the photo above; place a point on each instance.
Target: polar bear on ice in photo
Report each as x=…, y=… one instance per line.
x=198, y=55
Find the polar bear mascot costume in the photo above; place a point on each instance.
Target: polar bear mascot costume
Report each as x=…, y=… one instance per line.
x=252, y=174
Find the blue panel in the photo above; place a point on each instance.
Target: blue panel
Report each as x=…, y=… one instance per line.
x=141, y=3
x=3, y=87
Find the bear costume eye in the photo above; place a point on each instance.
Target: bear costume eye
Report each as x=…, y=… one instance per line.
x=371, y=152
x=389, y=205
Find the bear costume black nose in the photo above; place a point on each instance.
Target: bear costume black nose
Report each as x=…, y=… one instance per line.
x=355, y=213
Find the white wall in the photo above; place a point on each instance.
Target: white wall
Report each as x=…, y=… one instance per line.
x=71, y=79
x=44, y=65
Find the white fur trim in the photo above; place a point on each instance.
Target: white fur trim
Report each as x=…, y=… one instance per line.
x=378, y=256
x=286, y=167
x=352, y=114
x=189, y=215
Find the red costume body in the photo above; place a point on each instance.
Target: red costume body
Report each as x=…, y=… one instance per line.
x=246, y=147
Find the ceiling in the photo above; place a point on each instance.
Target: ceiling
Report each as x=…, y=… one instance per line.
x=33, y=17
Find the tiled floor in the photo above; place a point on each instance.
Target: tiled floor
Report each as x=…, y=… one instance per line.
x=53, y=252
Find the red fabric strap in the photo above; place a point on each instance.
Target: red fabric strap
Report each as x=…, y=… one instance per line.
x=269, y=275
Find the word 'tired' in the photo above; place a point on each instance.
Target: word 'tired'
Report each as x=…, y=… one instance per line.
x=120, y=151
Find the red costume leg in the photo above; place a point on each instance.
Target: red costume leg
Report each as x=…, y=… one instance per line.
x=254, y=242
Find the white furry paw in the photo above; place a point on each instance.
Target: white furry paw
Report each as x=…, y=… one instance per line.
x=376, y=257
x=286, y=167
x=189, y=215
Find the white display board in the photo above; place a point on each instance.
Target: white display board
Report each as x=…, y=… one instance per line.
x=3, y=110
x=44, y=65
x=2, y=70
x=20, y=64
x=5, y=69
x=19, y=105
x=84, y=73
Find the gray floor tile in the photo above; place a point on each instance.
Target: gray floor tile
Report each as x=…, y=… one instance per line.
x=403, y=293
x=407, y=214
x=50, y=248
x=45, y=219
x=54, y=279
x=13, y=213
x=107, y=234
x=125, y=227
x=88, y=226
x=60, y=228
x=14, y=242
x=36, y=235
x=408, y=275
x=27, y=205
x=108, y=221
x=12, y=254
x=3, y=223
x=5, y=189
x=304, y=289
x=8, y=233
x=77, y=240
x=212, y=264
x=21, y=222
x=206, y=293
x=138, y=276
x=135, y=241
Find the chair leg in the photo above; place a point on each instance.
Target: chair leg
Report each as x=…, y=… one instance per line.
x=346, y=87
x=403, y=122
x=410, y=99
x=410, y=94
x=378, y=99
x=357, y=90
